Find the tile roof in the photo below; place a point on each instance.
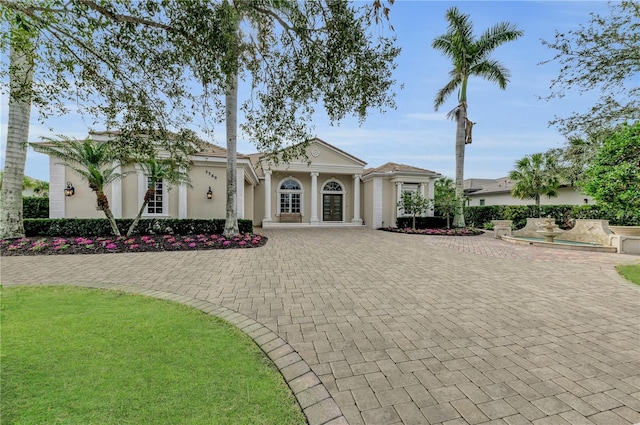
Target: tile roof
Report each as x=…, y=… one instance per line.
x=392, y=167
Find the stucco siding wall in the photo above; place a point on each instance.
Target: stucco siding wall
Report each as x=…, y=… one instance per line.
x=258, y=203
x=566, y=196
x=388, y=203
x=203, y=177
x=248, y=201
x=130, y=198
x=326, y=156
x=83, y=203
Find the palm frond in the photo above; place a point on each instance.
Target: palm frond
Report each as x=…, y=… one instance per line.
x=444, y=93
x=493, y=71
x=495, y=36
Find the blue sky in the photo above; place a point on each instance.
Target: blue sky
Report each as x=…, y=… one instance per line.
x=509, y=124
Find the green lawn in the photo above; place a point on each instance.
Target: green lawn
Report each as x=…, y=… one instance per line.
x=80, y=356
x=630, y=272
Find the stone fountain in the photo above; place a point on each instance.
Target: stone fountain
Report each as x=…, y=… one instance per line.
x=549, y=229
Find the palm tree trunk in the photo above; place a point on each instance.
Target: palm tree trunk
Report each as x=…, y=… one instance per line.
x=458, y=217
x=20, y=83
x=103, y=204
x=231, y=105
x=150, y=193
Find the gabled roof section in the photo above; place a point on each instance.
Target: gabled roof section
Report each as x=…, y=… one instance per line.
x=338, y=150
x=394, y=168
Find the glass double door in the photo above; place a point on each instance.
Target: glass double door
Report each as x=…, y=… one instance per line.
x=331, y=207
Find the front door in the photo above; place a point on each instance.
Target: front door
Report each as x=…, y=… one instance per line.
x=331, y=207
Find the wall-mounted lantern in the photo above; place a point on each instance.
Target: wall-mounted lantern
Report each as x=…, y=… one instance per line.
x=209, y=193
x=69, y=190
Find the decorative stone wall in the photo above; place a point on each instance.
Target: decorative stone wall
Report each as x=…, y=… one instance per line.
x=589, y=231
x=501, y=228
x=531, y=228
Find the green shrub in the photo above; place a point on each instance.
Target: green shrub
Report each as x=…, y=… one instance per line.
x=477, y=216
x=35, y=207
x=563, y=214
x=146, y=226
x=422, y=222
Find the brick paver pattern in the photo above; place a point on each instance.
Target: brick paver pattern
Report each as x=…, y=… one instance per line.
x=412, y=329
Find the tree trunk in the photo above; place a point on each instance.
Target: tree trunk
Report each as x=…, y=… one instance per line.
x=20, y=83
x=458, y=217
x=150, y=193
x=103, y=204
x=231, y=105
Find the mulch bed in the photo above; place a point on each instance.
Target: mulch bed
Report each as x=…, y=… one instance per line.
x=436, y=232
x=111, y=245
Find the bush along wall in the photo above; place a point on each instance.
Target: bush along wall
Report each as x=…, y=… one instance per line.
x=563, y=214
x=35, y=207
x=422, y=222
x=100, y=226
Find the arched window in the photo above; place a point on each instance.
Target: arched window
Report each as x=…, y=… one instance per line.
x=332, y=186
x=290, y=196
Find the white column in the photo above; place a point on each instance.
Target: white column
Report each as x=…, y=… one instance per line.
x=356, y=200
x=431, y=194
x=240, y=189
x=182, y=200
x=57, y=184
x=422, y=193
x=377, y=204
x=314, y=199
x=398, y=199
x=267, y=196
x=116, y=194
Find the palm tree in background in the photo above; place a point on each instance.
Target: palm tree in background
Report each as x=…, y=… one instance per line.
x=92, y=161
x=470, y=57
x=157, y=170
x=535, y=175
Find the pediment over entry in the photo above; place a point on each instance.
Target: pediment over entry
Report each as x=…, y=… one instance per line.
x=324, y=158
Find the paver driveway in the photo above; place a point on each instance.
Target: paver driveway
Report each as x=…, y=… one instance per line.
x=411, y=329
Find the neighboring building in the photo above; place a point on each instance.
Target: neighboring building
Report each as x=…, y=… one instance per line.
x=331, y=188
x=498, y=192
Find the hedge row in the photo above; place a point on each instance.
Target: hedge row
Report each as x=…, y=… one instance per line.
x=564, y=214
x=35, y=207
x=422, y=222
x=100, y=226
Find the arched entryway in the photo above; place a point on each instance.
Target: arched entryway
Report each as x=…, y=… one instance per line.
x=333, y=201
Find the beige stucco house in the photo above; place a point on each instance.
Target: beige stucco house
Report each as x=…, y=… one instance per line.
x=330, y=188
x=482, y=192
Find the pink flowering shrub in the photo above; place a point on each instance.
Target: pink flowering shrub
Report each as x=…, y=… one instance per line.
x=147, y=243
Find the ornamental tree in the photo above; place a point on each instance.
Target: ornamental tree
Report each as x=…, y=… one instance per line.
x=613, y=178
x=602, y=56
x=414, y=204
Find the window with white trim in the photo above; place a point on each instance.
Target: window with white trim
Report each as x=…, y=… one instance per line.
x=411, y=188
x=290, y=196
x=156, y=204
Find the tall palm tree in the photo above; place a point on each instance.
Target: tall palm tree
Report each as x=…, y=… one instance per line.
x=535, y=175
x=93, y=161
x=157, y=171
x=21, y=63
x=470, y=57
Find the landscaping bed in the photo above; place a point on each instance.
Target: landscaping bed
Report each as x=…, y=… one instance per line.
x=110, y=245
x=437, y=232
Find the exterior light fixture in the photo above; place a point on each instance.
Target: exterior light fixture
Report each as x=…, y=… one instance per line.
x=209, y=193
x=69, y=190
